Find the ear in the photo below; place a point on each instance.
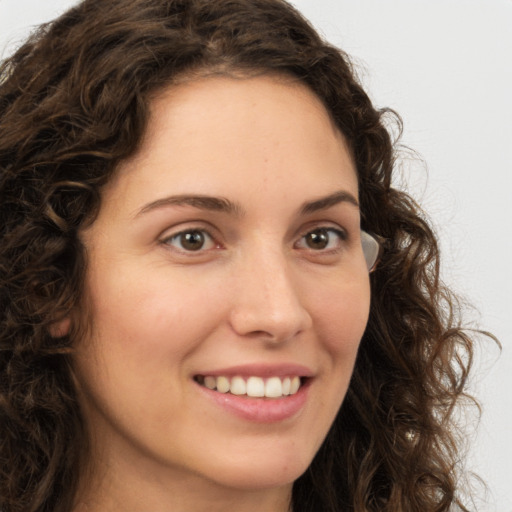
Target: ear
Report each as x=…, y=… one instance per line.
x=61, y=328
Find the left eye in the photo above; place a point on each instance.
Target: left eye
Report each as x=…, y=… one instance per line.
x=192, y=240
x=322, y=239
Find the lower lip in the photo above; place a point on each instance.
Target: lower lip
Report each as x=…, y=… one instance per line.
x=260, y=410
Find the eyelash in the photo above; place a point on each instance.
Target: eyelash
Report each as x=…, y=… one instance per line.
x=323, y=230
x=177, y=236
x=319, y=231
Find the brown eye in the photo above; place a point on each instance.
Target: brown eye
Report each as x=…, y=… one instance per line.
x=318, y=239
x=322, y=238
x=191, y=241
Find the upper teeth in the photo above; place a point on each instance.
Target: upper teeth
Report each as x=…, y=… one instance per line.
x=273, y=387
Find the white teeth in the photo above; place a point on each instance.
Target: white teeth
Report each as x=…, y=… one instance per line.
x=255, y=387
x=294, y=385
x=286, y=385
x=210, y=382
x=273, y=387
x=222, y=384
x=238, y=386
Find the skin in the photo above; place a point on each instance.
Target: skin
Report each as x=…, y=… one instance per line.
x=255, y=293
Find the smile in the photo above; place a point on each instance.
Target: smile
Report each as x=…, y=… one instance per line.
x=257, y=387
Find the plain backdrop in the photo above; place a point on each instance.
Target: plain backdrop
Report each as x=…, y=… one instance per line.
x=445, y=66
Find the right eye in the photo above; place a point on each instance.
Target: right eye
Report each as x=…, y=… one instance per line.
x=322, y=239
x=191, y=240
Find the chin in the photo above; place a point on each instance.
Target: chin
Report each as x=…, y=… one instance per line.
x=274, y=471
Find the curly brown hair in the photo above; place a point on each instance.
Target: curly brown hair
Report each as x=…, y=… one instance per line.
x=74, y=104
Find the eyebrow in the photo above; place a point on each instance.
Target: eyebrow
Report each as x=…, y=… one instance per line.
x=217, y=204
x=327, y=202
x=224, y=205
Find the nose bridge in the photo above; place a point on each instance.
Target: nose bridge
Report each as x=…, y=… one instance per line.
x=268, y=301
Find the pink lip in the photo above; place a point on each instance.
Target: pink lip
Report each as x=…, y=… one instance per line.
x=260, y=410
x=261, y=370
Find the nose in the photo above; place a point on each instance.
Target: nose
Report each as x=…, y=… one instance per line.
x=268, y=303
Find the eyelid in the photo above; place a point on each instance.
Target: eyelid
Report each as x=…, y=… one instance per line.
x=211, y=233
x=341, y=233
x=167, y=237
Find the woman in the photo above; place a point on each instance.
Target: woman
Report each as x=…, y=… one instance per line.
x=191, y=197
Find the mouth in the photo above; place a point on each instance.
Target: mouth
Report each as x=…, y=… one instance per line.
x=253, y=386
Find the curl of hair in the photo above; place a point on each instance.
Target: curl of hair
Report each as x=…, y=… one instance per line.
x=73, y=104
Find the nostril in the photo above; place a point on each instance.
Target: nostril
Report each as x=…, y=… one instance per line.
x=263, y=324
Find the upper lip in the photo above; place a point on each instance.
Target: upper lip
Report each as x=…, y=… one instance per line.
x=261, y=370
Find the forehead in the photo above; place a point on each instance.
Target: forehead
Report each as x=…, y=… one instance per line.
x=240, y=91
x=220, y=133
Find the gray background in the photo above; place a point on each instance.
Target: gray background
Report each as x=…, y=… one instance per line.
x=445, y=66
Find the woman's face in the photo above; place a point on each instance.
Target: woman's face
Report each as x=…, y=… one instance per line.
x=227, y=255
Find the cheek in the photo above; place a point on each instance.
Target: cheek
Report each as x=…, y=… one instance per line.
x=142, y=333
x=341, y=316
x=149, y=314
